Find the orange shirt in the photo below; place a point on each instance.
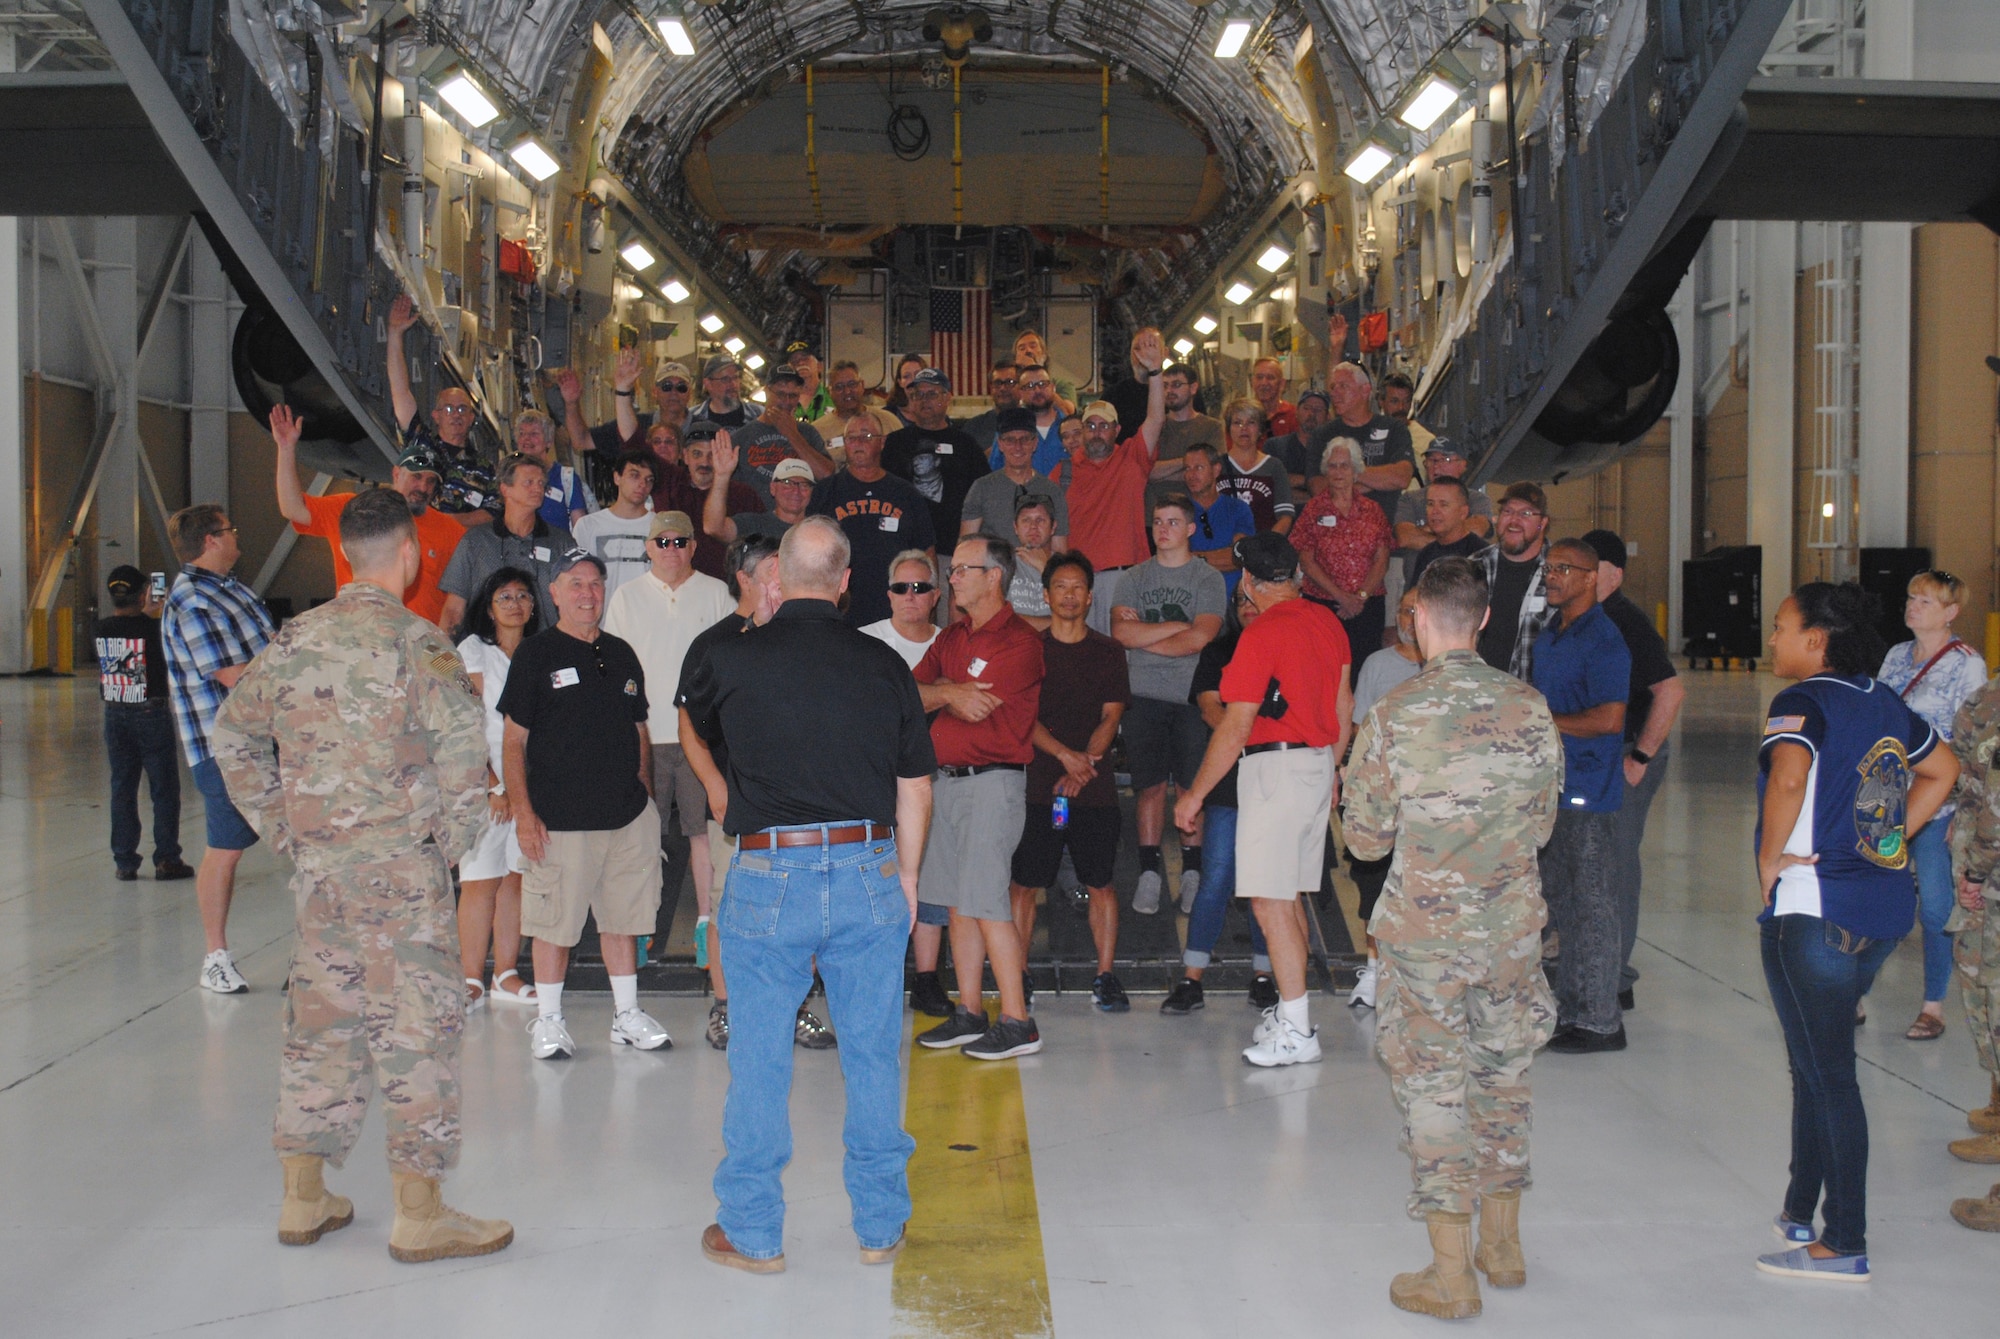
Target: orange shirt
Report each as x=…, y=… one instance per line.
x=437, y=534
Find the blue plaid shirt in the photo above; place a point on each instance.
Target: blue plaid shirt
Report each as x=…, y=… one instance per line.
x=211, y=623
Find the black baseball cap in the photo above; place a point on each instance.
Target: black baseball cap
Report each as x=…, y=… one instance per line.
x=569, y=558
x=1608, y=546
x=1268, y=556
x=699, y=430
x=1015, y=420
x=125, y=579
x=785, y=372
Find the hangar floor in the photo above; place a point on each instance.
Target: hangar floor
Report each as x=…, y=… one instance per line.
x=1133, y=1179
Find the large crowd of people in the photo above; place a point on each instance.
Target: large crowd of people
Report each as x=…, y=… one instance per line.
x=880, y=670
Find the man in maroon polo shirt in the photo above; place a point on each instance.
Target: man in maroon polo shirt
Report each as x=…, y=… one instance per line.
x=983, y=678
x=1286, y=707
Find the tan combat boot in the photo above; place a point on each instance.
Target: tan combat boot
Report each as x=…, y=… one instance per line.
x=1986, y=1120
x=309, y=1212
x=1979, y=1148
x=1447, y=1287
x=1979, y=1215
x=1499, y=1256
x=426, y=1229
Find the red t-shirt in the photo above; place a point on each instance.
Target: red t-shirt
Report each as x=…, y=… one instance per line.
x=1107, y=505
x=1005, y=654
x=1284, y=419
x=1303, y=647
x=437, y=534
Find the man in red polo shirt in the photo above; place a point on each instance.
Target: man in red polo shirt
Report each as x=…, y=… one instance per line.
x=416, y=475
x=1107, y=481
x=983, y=678
x=1286, y=707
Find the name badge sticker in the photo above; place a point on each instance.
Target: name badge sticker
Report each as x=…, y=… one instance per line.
x=942, y=448
x=563, y=678
x=1536, y=603
x=1330, y=521
x=835, y=443
x=541, y=553
x=473, y=499
x=977, y=667
x=890, y=524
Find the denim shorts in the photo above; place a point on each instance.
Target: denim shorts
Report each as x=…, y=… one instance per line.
x=226, y=829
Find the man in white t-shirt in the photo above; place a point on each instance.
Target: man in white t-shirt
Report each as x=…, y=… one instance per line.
x=618, y=534
x=659, y=613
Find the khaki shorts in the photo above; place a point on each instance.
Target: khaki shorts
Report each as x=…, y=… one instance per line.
x=969, y=855
x=675, y=784
x=721, y=848
x=614, y=873
x=1283, y=801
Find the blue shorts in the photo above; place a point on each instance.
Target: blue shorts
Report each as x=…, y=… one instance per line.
x=226, y=829
x=930, y=913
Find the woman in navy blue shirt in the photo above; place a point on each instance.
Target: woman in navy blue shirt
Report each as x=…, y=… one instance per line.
x=1847, y=775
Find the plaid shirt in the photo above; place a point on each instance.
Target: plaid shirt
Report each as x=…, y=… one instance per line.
x=211, y=623
x=1536, y=611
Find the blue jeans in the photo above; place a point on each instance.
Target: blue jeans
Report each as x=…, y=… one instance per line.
x=1931, y=852
x=139, y=737
x=1218, y=890
x=1817, y=971
x=781, y=910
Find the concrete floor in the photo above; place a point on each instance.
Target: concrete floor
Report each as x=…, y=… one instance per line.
x=1178, y=1192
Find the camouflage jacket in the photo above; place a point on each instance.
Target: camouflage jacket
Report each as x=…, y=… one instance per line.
x=1459, y=771
x=355, y=735
x=1975, y=828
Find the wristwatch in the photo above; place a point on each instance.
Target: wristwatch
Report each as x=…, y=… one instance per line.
x=1640, y=756
x=626, y=394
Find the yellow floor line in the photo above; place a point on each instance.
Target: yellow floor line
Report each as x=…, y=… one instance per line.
x=972, y=1265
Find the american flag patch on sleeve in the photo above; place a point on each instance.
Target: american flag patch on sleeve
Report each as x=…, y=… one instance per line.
x=1784, y=725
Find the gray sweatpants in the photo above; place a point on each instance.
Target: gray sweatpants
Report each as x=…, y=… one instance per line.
x=1576, y=883
x=1626, y=870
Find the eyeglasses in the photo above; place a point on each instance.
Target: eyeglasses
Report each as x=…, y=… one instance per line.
x=1519, y=513
x=913, y=587
x=671, y=541
x=854, y=437
x=960, y=569
x=674, y=387
x=1035, y=385
x=513, y=597
x=1568, y=569
x=224, y=530
x=1207, y=530
x=1003, y=381
x=454, y=409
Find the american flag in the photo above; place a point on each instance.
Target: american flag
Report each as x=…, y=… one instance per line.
x=962, y=337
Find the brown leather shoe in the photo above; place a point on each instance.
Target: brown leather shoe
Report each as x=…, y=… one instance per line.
x=1986, y=1120
x=1928, y=1027
x=715, y=1245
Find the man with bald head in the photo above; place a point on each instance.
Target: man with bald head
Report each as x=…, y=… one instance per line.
x=467, y=483
x=829, y=799
x=1267, y=386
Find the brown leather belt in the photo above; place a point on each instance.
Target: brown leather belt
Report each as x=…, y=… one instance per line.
x=859, y=832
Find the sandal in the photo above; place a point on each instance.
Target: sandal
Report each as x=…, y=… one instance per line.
x=502, y=995
x=475, y=993
x=1928, y=1027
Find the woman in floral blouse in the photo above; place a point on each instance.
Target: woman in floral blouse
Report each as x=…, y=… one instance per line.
x=1343, y=542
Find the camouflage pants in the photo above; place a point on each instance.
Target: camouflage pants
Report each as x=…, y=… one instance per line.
x=1456, y=1028
x=1976, y=953
x=375, y=1001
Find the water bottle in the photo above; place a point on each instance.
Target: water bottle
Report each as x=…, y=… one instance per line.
x=1059, y=813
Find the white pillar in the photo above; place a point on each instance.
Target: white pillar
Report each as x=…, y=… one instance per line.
x=1680, y=452
x=1883, y=380
x=114, y=286
x=208, y=374
x=14, y=500
x=1773, y=370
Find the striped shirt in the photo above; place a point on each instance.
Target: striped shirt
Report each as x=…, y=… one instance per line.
x=211, y=623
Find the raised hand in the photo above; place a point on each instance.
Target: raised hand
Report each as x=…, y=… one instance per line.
x=570, y=384
x=402, y=314
x=286, y=427
x=725, y=455
x=1151, y=350
x=625, y=374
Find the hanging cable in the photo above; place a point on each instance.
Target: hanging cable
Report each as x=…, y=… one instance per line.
x=1104, y=154
x=812, y=149
x=909, y=133
x=957, y=147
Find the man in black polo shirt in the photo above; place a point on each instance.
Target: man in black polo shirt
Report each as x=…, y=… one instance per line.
x=139, y=727
x=829, y=798
x=1655, y=700
x=578, y=765
x=880, y=514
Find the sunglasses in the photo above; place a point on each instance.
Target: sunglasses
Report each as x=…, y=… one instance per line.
x=674, y=387
x=671, y=541
x=912, y=587
x=1942, y=577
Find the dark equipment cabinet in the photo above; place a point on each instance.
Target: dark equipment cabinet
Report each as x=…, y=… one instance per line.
x=1722, y=607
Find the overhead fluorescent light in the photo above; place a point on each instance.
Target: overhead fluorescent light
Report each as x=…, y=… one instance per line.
x=711, y=322
x=637, y=256
x=468, y=99
x=735, y=344
x=536, y=161
x=1368, y=162
x=1204, y=324
x=758, y=395
x=1235, y=32
x=754, y=361
x=1273, y=259
x=1238, y=293
x=675, y=290
x=675, y=34
x=1184, y=346
x=1436, y=97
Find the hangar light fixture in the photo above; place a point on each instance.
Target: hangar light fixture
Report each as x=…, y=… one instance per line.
x=535, y=160
x=675, y=34
x=1367, y=162
x=754, y=361
x=1235, y=32
x=711, y=322
x=468, y=99
x=1184, y=346
x=637, y=256
x=1205, y=324
x=1435, y=96
x=735, y=344
x=676, y=291
x=1238, y=293
x=758, y=395
x=1274, y=258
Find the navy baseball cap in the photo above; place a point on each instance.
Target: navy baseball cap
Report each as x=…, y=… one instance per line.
x=785, y=372
x=931, y=376
x=569, y=558
x=699, y=430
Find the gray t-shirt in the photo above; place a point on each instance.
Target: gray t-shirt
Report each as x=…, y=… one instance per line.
x=1026, y=593
x=1379, y=673
x=763, y=446
x=621, y=543
x=1168, y=595
x=992, y=498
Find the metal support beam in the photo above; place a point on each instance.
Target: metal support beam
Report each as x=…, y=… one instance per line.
x=1680, y=460
x=1772, y=429
x=208, y=382
x=113, y=311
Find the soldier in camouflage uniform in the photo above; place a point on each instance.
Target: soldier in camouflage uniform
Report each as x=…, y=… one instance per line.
x=1459, y=771
x=1975, y=851
x=355, y=743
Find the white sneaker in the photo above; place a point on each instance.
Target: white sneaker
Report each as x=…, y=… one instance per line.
x=1364, y=988
x=1267, y=1023
x=1146, y=898
x=1284, y=1045
x=636, y=1027
x=219, y=974
x=1190, y=885
x=549, y=1039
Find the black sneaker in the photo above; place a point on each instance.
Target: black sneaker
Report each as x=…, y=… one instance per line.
x=127, y=875
x=962, y=1027
x=718, y=1025
x=1263, y=991
x=166, y=871
x=927, y=995
x=812, y=1034
x=1576, y=1041
x=1625, y=999
x=1028, y=989
x=1007, y=1038
x=1108, y=995
x=1186, y=998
